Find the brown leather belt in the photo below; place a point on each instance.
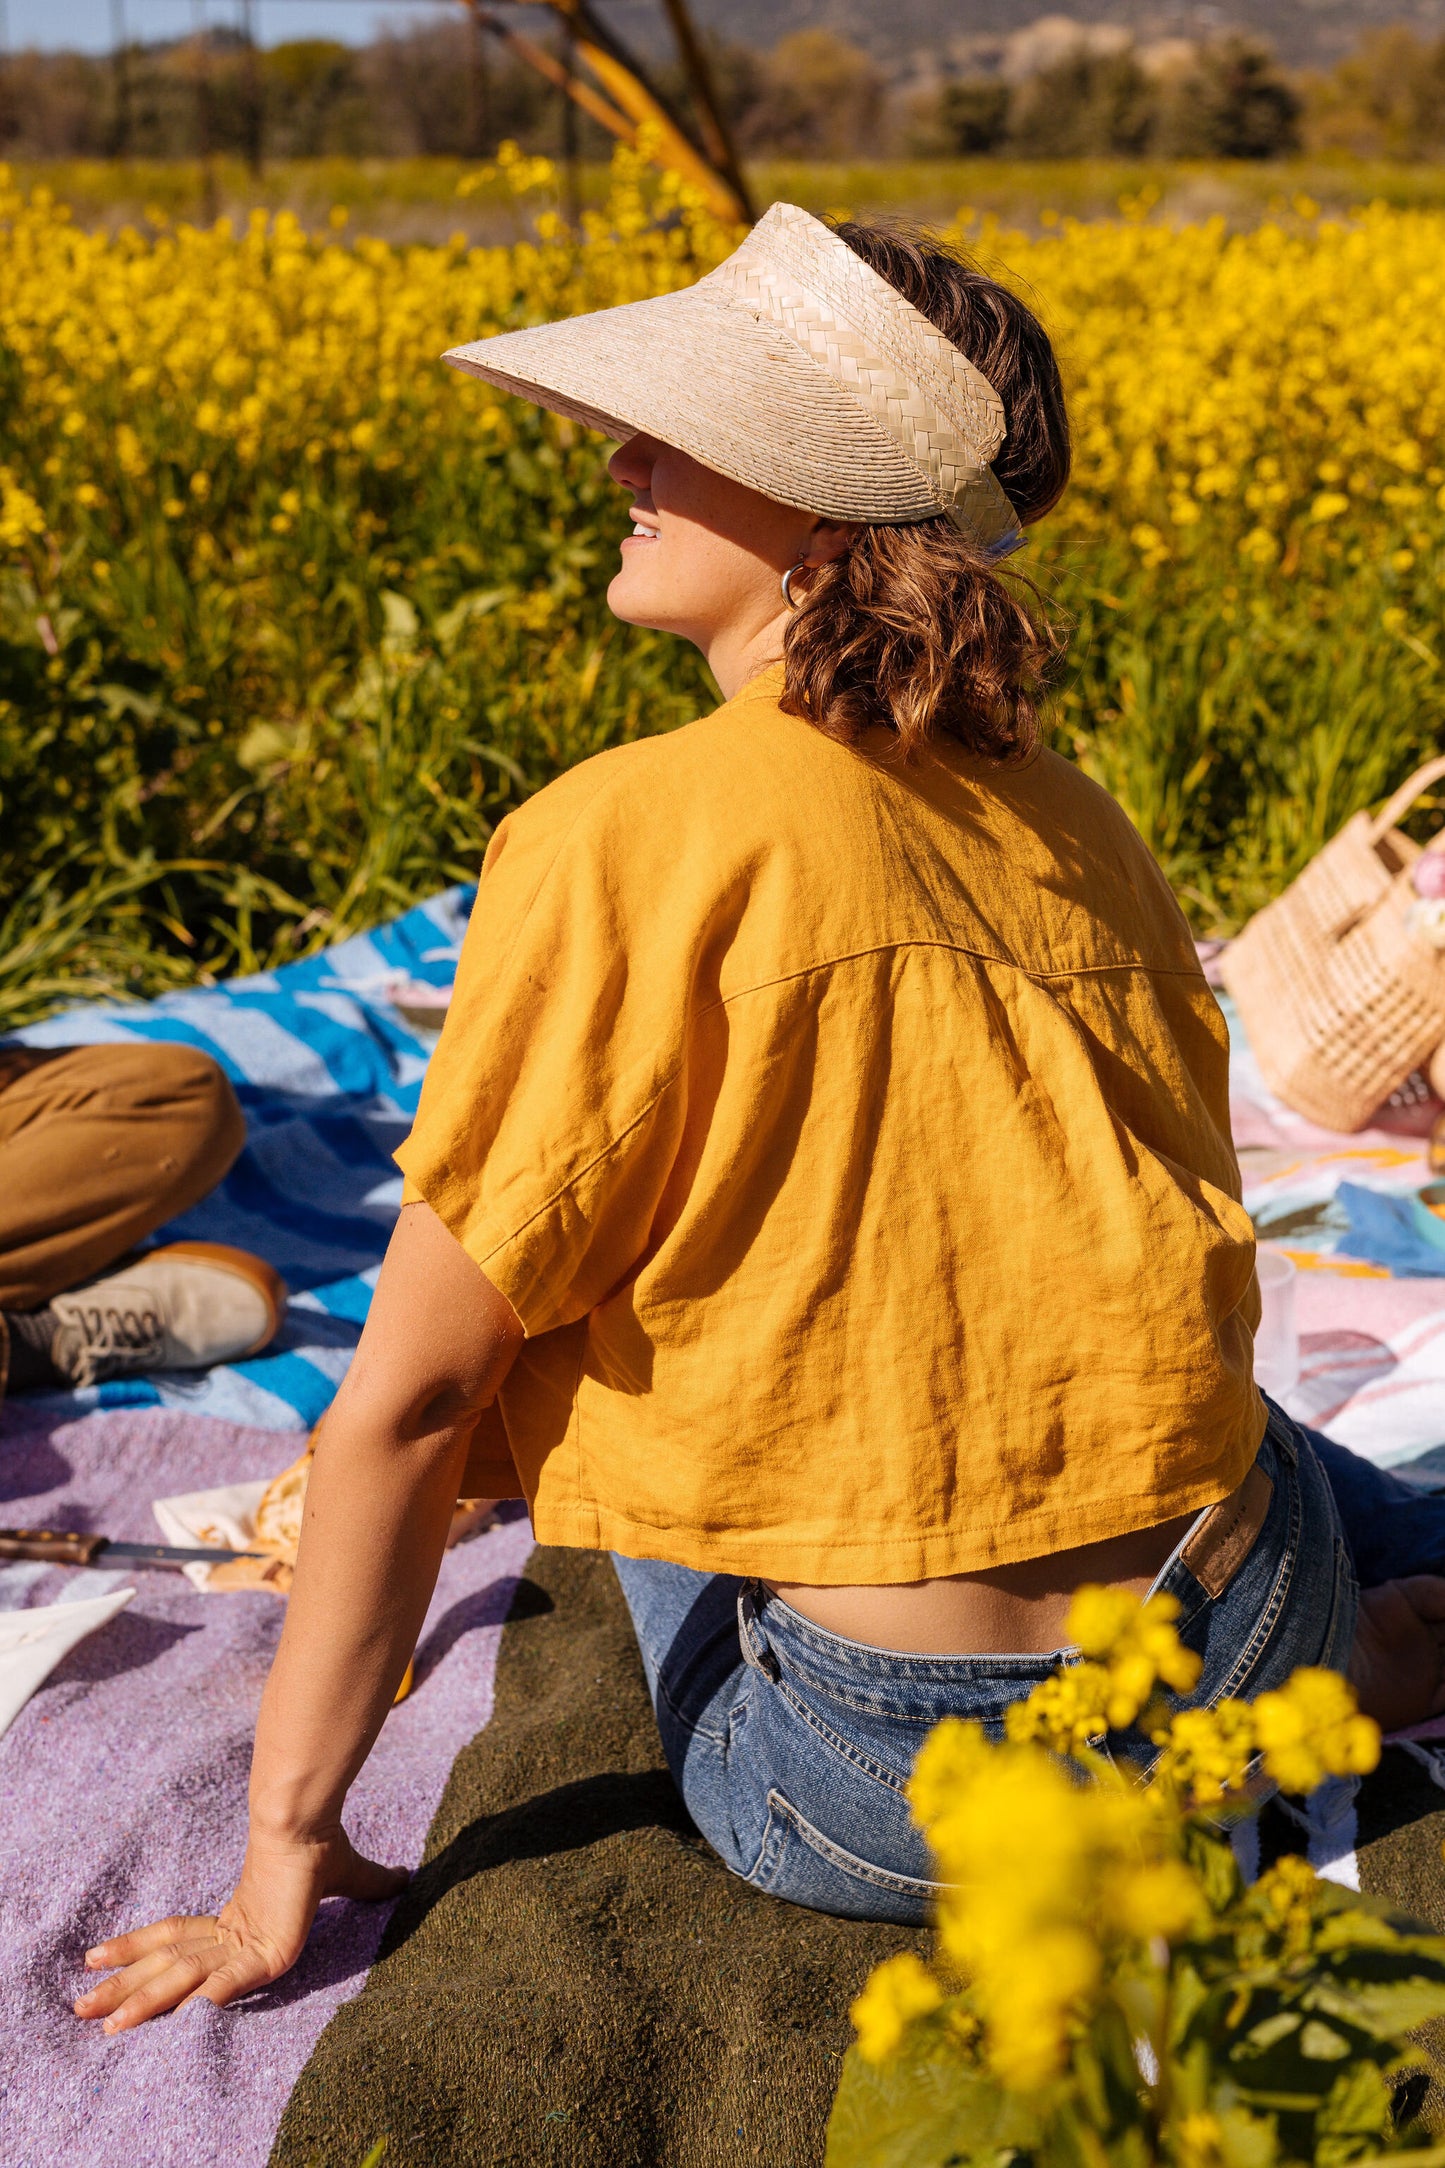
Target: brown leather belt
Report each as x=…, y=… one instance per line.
x=1216, y=1548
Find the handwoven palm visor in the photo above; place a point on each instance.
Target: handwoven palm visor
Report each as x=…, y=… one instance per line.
x=792, y=368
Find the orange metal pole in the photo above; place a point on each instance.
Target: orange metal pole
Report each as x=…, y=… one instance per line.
x=673, y=147
x=629, y=88
x=712, y=120
x=548, y=65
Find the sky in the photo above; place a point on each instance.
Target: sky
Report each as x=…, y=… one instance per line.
x=88, y=25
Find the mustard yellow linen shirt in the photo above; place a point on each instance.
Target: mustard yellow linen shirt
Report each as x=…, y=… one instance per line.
x=852, y=1141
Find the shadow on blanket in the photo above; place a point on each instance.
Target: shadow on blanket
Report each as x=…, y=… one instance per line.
x=574, y=1979
x=573, y=1976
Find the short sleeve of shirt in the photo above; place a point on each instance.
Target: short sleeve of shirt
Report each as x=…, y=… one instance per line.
x=550, y=1114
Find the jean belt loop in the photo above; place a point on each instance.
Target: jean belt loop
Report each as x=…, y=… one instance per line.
x=1282, y=1434
x=751, y=1637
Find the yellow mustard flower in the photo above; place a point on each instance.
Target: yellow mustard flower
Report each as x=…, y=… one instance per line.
x=1161, y=1898
x=1198, y=2140
x=20, y=516
x=895, y=1993
x=1311, y=1728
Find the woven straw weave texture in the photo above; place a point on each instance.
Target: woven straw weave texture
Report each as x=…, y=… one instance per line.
x=950, y=429
x=1340, y=996
x=792, y=368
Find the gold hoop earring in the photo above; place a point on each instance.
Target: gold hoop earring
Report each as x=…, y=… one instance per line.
x=788, y=596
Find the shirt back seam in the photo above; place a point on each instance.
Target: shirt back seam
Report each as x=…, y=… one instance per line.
x=960, y=948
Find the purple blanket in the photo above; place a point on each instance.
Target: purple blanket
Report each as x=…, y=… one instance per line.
x=122, y=1799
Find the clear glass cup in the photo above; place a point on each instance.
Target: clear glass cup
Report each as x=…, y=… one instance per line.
x=1276, y=1344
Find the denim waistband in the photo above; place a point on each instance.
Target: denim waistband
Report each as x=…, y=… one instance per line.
x=776, y=1639
x=782, y=1646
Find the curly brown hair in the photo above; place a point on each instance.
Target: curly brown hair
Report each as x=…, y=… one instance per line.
x=913, y=627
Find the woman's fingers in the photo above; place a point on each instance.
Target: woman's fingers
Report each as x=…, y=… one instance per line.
x=144, y=1990
x=1425, y=1593
x=241, y=1975
x=126, y=1949
x=217, y=1970
x=109, y=1994
x=1397, y=1666
x=259, y=1933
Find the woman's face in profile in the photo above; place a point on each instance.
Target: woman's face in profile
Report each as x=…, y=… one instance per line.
x=705, y=554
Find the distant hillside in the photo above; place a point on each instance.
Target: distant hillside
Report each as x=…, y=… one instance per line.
x=1304, y=33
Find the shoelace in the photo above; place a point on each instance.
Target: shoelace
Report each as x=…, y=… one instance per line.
x=116, y=1331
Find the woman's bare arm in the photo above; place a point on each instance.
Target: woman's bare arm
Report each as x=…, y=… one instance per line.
x=437, y=1344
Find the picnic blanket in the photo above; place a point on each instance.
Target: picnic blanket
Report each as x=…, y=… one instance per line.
x=1372, y=1345
x=123, y=1798
x=612, y=1997
x=328, y=1073
x=572, y=1977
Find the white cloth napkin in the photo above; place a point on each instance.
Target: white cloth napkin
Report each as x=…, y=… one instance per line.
x=224, y=1517
x=227, y=1518
x=33, y=1642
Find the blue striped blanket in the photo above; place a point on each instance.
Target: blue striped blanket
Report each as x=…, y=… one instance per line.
x=328, y=1074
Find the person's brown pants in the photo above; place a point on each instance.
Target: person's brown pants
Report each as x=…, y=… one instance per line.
x=99, y=1146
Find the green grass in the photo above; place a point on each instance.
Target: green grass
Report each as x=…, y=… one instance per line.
x=1237, y=741
x=144, y=852
x=1240, y=736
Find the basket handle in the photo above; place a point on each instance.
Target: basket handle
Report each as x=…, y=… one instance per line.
x=1405, y=797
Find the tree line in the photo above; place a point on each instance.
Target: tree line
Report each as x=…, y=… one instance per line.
x=442, y=89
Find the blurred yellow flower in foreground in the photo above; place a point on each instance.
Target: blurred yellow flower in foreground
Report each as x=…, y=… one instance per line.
x=1052, y=1878
x=899, y=1990
x=1310, y=1729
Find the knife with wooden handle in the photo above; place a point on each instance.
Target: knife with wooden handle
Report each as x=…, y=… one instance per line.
x=63, y=1547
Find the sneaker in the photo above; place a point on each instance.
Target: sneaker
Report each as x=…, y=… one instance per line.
x=183, y=1307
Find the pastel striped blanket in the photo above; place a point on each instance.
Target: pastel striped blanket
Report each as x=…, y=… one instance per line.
x=1372, y=1347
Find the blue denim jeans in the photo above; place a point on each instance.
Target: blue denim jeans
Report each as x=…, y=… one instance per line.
x=792, y=1747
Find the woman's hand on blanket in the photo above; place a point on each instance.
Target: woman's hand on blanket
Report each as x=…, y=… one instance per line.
x=379, y=1503
x=256, y=1937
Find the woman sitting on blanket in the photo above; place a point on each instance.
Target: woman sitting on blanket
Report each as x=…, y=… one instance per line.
x=822, y=1196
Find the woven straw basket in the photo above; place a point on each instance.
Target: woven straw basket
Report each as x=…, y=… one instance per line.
x=1341, y=998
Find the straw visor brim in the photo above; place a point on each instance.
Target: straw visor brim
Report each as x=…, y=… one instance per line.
x=734, y=391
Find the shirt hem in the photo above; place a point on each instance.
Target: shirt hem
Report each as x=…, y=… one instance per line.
x=929, y=1555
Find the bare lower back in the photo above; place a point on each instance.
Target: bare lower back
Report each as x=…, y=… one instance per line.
x=1013, y=1610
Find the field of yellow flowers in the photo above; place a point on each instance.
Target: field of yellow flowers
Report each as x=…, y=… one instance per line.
x=289, y=613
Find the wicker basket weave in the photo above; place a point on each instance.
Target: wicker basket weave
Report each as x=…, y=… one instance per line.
x=1341, y=998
